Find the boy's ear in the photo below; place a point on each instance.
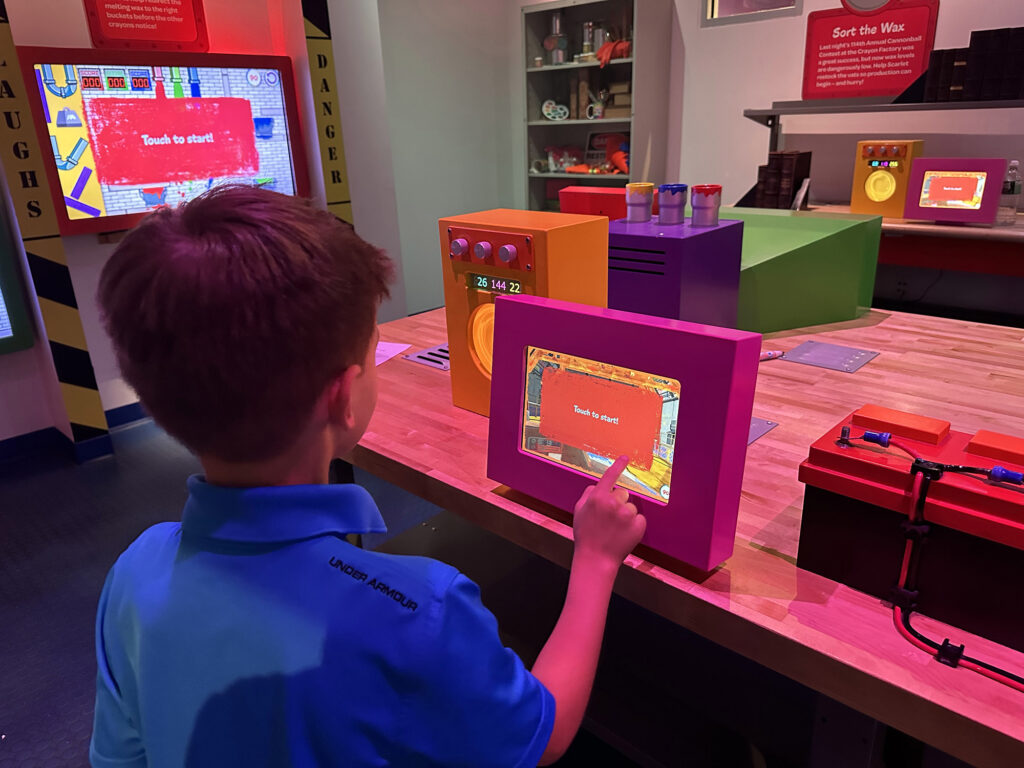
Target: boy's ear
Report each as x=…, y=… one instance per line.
x=339, y=398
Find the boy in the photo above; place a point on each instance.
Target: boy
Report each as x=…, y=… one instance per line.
x=252, y=633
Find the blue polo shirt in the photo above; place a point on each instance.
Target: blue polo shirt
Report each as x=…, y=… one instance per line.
x=253, y=634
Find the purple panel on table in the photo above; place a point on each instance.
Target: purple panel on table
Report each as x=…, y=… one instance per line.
x=676, y=270
x=759, y=428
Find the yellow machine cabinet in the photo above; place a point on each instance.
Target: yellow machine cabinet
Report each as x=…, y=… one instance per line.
x=881, y=175
x=503, y=251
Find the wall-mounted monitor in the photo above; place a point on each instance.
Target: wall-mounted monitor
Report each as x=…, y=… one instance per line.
x=575, y=387
x=956, y=189
x=128, y=132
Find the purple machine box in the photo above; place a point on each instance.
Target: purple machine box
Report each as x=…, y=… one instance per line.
x=676, y=270
x=716, y=370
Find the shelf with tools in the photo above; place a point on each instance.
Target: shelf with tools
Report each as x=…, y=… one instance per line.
x=602, y=121
x=595, y=87
x=575, y=65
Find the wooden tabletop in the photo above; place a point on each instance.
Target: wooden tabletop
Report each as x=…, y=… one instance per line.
x=818, y=632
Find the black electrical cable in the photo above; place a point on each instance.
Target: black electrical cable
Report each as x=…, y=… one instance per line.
x=910, y=628
x=926, y=291
x=965, y=470
x=997, y=670
x=916, y=529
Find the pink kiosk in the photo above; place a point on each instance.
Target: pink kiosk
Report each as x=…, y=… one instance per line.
x=574, y=387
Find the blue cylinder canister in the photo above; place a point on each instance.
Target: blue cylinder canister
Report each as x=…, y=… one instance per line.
x=672, y=203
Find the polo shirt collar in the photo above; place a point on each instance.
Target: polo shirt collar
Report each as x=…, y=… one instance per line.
x=278, y=513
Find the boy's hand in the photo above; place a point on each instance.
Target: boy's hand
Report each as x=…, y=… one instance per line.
x=605, y=523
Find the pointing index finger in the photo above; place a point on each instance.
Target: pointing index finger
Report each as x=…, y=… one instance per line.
x=611, y=475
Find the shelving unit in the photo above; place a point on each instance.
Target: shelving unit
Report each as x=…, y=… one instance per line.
x=647, y=24
x=772, y=117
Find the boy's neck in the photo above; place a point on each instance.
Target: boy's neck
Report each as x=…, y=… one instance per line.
x=307, y=463
x=257, y=474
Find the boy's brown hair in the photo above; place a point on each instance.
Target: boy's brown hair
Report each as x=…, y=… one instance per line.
x=231, y=313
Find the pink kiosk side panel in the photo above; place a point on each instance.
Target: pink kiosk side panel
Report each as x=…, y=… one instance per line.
x=717, y=372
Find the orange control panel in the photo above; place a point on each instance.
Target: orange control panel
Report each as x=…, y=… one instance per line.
x=503, y=251
x=881, y=176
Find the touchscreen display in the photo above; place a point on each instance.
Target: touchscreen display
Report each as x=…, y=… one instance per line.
x=584, y=414
x=953, y=189
x=128, y=139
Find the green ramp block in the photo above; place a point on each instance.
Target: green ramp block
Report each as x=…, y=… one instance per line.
x=801, y=268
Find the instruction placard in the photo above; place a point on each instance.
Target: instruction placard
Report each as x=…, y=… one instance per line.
x=854, y=55
x=151, y=24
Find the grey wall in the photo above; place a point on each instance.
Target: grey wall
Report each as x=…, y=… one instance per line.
x=446, y=65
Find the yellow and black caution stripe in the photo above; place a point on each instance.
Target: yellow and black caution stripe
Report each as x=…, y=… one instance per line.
x=59, y=308
x=325, y=97
x=23, y=164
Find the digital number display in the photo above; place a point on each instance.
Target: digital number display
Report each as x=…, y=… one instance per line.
x=140, y=79
x=116, y=82
x=493, y=284
x=92, y=81
x=884, y=163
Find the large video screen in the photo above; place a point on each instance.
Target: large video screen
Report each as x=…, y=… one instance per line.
x=584, y=414
x=953, y=189
x=128, y=139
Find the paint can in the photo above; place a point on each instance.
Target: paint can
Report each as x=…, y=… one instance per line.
x=672, y=203
x=706, y=199
x=639, y=201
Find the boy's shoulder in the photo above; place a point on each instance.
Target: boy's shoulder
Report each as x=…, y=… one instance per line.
x=146, y=544
x=396, y=575
x=151, y=552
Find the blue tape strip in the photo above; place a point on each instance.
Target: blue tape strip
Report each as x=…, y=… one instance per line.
x=83, y=179
x=80, y=206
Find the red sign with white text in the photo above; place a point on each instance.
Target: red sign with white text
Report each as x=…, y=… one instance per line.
x=154, y=141
x=601, y=416
x=178, y=25
x=850, y=55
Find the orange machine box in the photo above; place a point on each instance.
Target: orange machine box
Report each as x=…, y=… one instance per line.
x=881, y=176
x=503, y=251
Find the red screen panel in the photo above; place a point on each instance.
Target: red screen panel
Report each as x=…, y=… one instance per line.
x=146, y=141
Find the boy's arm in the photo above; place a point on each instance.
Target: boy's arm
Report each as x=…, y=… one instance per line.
x=606, y=528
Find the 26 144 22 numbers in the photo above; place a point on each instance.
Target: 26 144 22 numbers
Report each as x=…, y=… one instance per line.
x=494, y=284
